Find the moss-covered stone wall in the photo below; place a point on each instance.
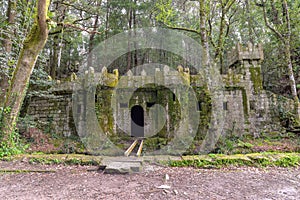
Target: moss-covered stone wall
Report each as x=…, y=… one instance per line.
x=53, y=114
x=247, y=107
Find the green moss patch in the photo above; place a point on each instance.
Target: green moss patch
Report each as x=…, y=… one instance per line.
x=255, y=159
x=255, y=73
x=49, y=159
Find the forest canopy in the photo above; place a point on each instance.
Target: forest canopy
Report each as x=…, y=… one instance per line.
x=76, y=27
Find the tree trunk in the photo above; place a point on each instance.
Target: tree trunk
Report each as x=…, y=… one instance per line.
x=289, y=60
x=220, y=44
x=7, y=45
x=33, y=44
x=203, y=34
x=11, y=14
x=129, y=54
x=292, y=79
x=286, y=40
x=54, y=57
x=249, y=20
x=91, y=41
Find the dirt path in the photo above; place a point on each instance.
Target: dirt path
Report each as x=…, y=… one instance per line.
x=78, y=182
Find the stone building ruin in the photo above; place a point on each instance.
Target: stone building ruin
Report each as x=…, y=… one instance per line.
x=247, y=106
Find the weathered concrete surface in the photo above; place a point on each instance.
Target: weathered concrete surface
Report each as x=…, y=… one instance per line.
x=125, y=165
x=122, y=165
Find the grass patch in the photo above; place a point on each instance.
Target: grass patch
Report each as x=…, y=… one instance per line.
x=50, y=159
x=255, y=159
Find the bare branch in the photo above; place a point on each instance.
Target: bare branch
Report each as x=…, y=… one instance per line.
x=268, y=25
x=183, y=29
x=287, y=16
x=82, y=19
x=68, y=25
x=228, y=6
x=77, y=8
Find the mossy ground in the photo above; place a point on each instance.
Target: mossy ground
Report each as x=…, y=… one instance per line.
x=68, y=159
x=265, y=159
x=255, y=159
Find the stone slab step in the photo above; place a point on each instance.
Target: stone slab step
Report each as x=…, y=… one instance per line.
x=123, y=167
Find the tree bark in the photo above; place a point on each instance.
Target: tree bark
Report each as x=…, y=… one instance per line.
x=54, y=57
x=33, y=44
x=250, y=23
x=7, y=45
x=11, y=14
x=203, y=33
x=91, y=40
x=289, y=59
x=292, y=79
x=220, y=43
x=129, y=54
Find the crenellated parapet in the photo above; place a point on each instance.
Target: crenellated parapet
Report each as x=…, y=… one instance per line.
x=158, y=76
x=241, y=53
x=244, y=67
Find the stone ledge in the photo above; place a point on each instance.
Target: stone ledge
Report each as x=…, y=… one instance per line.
x=123, y=167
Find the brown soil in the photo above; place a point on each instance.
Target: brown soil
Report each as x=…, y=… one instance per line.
x=85, y=182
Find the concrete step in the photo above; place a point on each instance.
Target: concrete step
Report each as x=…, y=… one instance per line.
x=122, y=165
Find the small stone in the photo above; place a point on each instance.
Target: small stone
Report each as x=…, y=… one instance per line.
x=167, y=177
x=164, y=187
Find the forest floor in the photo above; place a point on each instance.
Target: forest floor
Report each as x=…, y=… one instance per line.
x=77, y=176
x=20, y=179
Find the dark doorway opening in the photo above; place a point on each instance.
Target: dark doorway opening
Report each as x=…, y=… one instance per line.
x=137, y=121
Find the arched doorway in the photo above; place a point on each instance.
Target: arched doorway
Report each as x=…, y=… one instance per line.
x=137, y=121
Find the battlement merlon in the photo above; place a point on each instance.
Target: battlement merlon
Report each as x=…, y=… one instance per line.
x=163, y=76
x=240, y=53
x=159, y=76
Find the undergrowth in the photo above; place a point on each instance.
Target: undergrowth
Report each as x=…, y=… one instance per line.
x=13, y=144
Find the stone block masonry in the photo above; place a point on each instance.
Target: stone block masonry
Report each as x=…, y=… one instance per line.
x=247, y=106
x=53, y=113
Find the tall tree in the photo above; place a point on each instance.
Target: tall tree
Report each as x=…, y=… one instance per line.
x=11, y=14
x=210, y=20
x=280, y=24
x=32, y=46
x=7, y=44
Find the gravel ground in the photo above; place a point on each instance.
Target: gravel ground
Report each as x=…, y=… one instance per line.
x=83, y=182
